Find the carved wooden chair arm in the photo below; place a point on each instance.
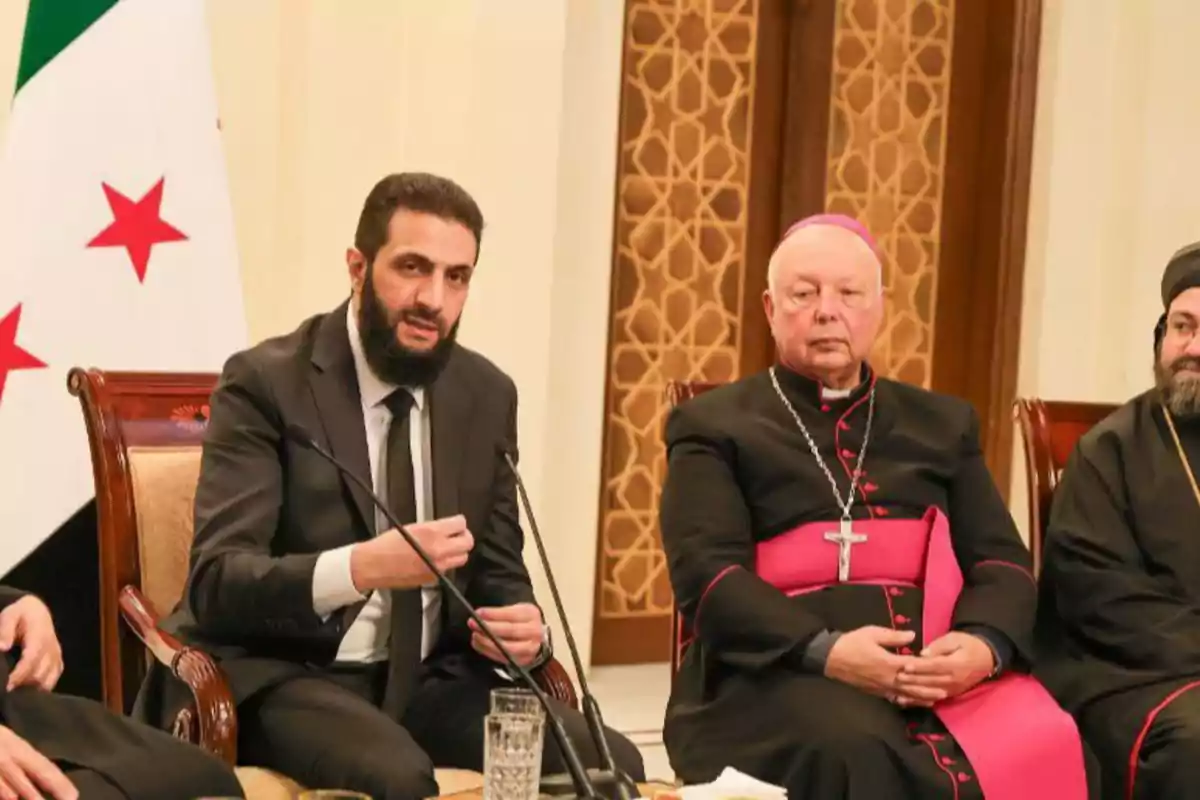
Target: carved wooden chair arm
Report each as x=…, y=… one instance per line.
x=211, y=722
x=554, y=681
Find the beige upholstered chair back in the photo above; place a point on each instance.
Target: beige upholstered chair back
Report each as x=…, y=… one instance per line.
x=163, y=481
x=145, y=431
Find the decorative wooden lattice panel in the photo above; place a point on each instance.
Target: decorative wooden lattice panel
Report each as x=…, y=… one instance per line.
x=887, y=153
x=678, y=278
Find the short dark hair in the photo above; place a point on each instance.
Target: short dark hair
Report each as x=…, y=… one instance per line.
x=414, y=191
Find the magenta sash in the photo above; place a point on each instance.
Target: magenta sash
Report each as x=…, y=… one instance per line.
x=1021, y=743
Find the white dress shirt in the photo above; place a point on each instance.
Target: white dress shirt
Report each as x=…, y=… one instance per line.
x=366, y=640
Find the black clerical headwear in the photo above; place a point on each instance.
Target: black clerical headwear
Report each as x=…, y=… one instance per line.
x=1182, y=273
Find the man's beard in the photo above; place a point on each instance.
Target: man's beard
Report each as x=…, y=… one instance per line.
x=1180, y=392
x=389, y=359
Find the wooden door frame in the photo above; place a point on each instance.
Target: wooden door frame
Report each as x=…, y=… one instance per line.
x=986, y=368
x=1011, y=244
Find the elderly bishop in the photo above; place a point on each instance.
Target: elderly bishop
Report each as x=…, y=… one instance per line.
x=861, y=602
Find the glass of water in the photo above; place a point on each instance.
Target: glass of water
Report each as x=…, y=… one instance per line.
x=521, y=702
x=512, y=756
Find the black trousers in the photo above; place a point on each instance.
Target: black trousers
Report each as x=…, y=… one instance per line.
x=111, y=757
x=94, y=786
x=1167, y=762
x=325, y=730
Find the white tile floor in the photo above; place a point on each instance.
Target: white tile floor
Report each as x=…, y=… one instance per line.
x=633, y=700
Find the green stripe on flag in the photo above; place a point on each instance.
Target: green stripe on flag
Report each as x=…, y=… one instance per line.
x=50, y=26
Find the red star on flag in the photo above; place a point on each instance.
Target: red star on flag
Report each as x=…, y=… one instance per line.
x=13, y=357
x=137, y=226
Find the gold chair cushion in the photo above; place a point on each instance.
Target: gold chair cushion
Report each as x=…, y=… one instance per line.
x=453, y=781
x=164, y=489
x=263, y=784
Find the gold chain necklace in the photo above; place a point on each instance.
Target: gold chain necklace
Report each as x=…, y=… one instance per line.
x=1187, y=467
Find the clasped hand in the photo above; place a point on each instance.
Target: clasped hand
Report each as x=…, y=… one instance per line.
x=518, y=626
x=949, y=666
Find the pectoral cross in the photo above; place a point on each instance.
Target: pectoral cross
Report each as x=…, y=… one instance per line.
x=844, y=538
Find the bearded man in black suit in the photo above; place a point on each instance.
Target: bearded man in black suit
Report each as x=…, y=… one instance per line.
x=349, y=667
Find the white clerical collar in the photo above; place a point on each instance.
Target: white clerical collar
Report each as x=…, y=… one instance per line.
x=371, y=388
x=842, y=394
x=835, y=394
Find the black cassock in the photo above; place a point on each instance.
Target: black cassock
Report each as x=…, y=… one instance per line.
x=741, y=473
x=105, y=755
x=1118, y=632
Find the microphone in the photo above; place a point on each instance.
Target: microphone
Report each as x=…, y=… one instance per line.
x=609, y=776
x=578, y=775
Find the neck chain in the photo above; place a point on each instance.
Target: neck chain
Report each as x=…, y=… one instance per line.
x=848, y=503
x=1187, y=466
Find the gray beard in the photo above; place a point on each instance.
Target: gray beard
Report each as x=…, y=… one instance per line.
x=1180, y=394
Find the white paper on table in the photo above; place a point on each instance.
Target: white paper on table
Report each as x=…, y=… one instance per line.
x=731, y=783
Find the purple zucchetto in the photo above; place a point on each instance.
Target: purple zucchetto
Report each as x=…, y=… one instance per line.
x=837, y=221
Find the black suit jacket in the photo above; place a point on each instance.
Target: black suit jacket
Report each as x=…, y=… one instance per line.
x=266, y=507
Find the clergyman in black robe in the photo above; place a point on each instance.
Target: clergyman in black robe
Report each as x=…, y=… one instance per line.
x=66, y=747
x=860, y=600
x=1119, y=629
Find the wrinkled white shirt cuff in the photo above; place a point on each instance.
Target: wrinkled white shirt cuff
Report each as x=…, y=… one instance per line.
x=333, y=586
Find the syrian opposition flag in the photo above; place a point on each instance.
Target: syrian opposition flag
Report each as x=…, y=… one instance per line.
x=116, y=236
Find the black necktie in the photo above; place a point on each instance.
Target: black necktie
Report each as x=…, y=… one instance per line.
x=407, y=614
x=401, y=489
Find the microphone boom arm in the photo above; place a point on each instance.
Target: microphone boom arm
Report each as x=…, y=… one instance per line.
x=591, y=709
x=574, y=766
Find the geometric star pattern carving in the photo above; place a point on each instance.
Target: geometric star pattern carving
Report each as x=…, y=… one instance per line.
x=678, y=280
x=683, y=173
x=886, y=158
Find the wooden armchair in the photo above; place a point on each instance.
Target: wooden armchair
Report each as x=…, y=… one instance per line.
x=1049, y=430
x=681, y=635
x=145, y=431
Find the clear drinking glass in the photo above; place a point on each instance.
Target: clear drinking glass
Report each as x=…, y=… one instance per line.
x=521, y=702
x=512, y=756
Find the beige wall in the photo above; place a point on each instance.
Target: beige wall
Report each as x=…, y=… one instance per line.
x=1116, y=168
x=518, y=102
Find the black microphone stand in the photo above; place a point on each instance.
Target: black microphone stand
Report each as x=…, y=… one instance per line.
x=609, y=775
x=579, y=778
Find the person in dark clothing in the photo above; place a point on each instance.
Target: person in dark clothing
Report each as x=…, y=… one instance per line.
x=64, y=747
x=348, y=665
x=1119, y=628
x=861, y=601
